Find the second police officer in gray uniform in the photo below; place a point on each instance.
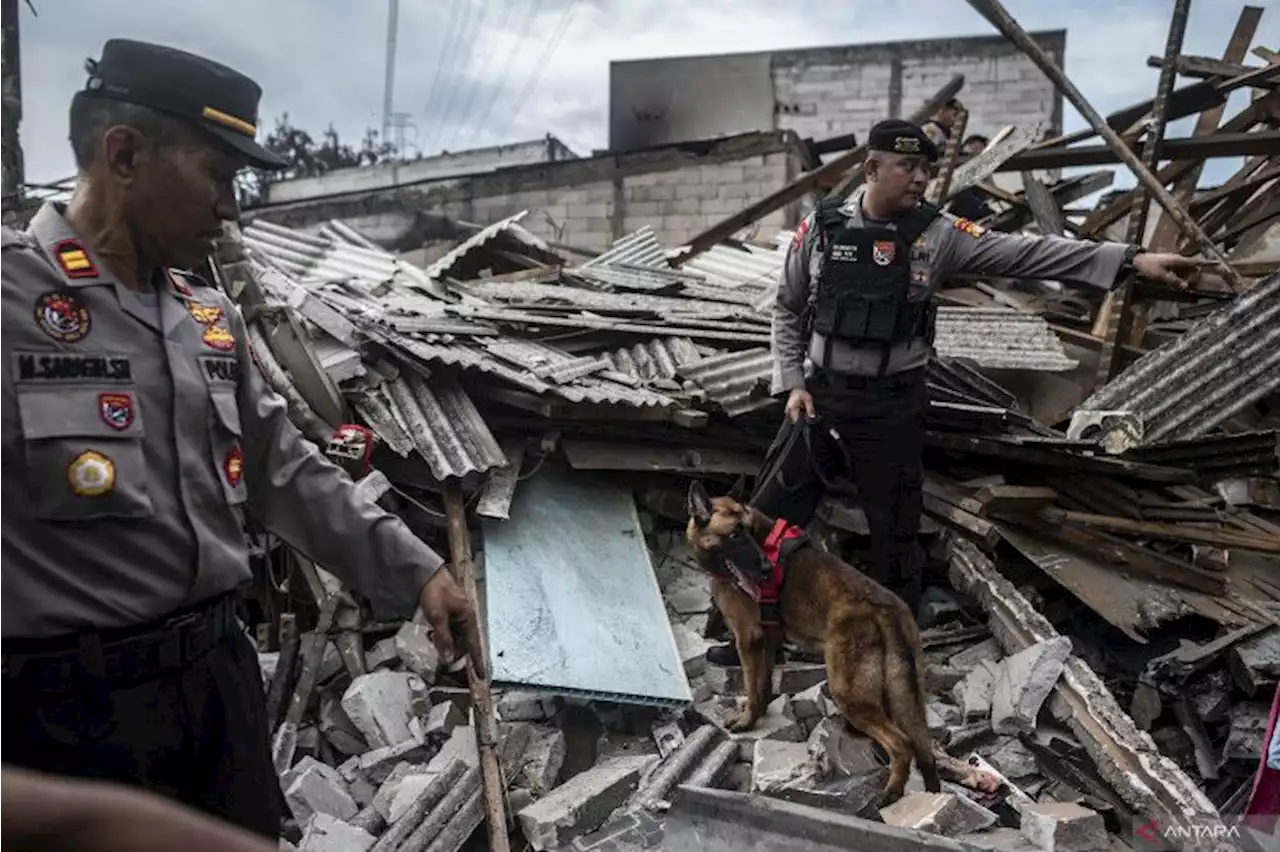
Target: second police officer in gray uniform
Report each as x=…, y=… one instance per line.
x=856, y=297
x=137, y=430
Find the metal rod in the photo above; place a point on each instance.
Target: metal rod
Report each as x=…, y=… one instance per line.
x=481, y=698
x=996, y=14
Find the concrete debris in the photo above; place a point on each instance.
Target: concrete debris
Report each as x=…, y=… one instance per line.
x=1025, y=681
x=317, y=788
x=526, y=707
x=416, y=650
x=810, y=704
x=382, y=654
x=543, y=758
x=692, y=648
x=1255, y=663
x=380, y=705
x=999, y=839
x=986, y=651
x=776, y=765
x=974, y=693
x=1064, y=827
x=947, y=814
x=1248, y=729
x=838, y=750
x=338, y=729
x=324, y=833
x=668, y=738
x=442, y=719
x=1012, y=758
x=408, y=791
x=583, y=803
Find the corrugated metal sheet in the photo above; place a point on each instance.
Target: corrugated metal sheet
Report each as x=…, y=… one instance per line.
x=747, y=268
x=640, y=248
x=1219, y=367
x=592, y=627
x=336, y=254
x=656, y=359
x=999, y=338
x=509, y=227
x=530, y=293
x=737, y=381
x=444, y=426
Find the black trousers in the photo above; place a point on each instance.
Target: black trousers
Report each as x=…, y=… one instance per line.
x=881, y=424
x=197, y=734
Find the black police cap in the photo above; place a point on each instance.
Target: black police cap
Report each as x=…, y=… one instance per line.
x=896, y=136
x=220, y=100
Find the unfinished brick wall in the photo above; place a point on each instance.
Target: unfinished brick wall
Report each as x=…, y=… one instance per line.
x=587, y=203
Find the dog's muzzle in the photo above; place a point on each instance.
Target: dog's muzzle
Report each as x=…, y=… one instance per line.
x=742, y=558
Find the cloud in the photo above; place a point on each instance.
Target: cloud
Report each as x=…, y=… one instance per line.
x=479, y=72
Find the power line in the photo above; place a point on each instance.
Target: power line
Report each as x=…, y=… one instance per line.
x=541, y=65
x=468, y=63
x=470, y=108
x=530, y=15
x=434, y=84
x=463, y=45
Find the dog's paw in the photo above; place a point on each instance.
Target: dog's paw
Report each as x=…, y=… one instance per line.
x=741, y=722
x=888, y=797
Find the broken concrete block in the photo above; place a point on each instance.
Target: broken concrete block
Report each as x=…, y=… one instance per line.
x=1064, y=827
x=688, y=600
x=542, y=761
x=738, y=778
x=319, y=789
x=459, y=696
x=853, y=796
x=1011, y=757
x=973, y=694
x=461, y=745
x=338, y=728
x=986, y=651
x=770, y=727
x=668, y=738
x=1248, y=728
x=416, y=650
x=407, y=791
x=941, y=717
x=718, y=710
x=1255, y=662
x=583, y=803
x=781, y=706
x=810, y=703
x=527, y=707
x=376, y=765
x=380, y=705
x=308, y=741
x=838, y=750
x=938, y=813
x=1025, y=681
x=692, y=649
x=1000, y=839
x=797, y=677
x=323, y=833
x=386, y=793
x=381, y=655
x=442, y=719
x=776, y=764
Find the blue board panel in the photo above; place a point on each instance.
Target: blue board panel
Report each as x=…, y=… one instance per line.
x=573, y=605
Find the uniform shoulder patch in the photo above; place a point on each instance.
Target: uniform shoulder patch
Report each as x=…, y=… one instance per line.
x=74, y=260
x=968, y=226
x=798, y=238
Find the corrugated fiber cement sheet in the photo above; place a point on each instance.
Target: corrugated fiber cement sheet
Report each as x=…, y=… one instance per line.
x=574, y=607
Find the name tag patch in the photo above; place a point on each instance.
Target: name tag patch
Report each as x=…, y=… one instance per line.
x=220, y=368
x=68, y=367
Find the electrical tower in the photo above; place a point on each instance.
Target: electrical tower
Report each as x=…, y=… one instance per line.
x=10, y=110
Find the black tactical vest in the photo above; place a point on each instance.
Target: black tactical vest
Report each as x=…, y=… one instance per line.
x=865, y=279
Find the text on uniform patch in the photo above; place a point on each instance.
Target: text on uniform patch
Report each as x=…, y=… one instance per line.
x=220, y=368
x=65, y=367
x=61, y=316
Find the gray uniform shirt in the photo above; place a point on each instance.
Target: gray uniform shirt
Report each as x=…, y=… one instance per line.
x=136, y=434
x=950, y=245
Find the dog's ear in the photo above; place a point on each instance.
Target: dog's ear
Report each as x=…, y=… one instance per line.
x=699, y=504
x=739, y=490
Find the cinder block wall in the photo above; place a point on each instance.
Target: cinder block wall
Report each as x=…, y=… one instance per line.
x=587, y=203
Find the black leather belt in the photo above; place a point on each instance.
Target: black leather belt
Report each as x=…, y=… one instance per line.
x=121, y=657
x=848, y=380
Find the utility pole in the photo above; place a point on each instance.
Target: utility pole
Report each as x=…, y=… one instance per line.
x=11, y=109
x=389, y=82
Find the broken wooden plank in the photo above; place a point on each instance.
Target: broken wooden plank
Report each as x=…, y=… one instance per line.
x=1170, y=532
x=285, y=740
x=939, y=188
x=1126, y=757
x=1206, y=67
x=1009, y=499
x=982, y=530
x=1044, y=208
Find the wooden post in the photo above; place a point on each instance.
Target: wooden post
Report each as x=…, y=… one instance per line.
x=950, y=157
x=999, y=17
x=464, y=571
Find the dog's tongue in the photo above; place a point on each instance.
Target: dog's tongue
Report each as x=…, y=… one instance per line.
x=744, y=582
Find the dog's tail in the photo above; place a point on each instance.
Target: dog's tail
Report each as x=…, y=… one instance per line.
x=904, y=670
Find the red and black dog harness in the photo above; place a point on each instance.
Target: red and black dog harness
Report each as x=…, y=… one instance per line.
x=783, y=540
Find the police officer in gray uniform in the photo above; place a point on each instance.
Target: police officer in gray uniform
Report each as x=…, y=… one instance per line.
x=856, y=299
x=137, y=431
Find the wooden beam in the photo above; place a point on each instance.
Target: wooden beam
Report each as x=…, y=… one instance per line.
x=1184, y=148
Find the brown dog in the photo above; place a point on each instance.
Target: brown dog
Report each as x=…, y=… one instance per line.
x=867, y=634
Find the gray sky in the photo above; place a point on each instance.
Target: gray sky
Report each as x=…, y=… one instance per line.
x=322, y=61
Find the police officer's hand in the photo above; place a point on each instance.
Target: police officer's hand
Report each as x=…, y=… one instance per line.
x=1172, y=269
x=452, y=620
x=800, y=401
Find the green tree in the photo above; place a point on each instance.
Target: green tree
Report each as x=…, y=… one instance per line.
x=308, y=158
